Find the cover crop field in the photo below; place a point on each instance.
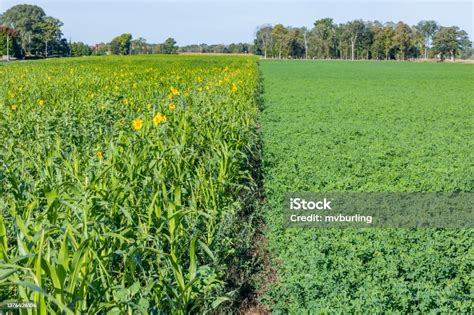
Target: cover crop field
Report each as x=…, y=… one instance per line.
x=120, y=180
x=368, y=126
x=133, y=184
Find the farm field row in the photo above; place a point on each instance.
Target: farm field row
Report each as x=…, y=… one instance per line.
x=120, y=180
x=368, y=127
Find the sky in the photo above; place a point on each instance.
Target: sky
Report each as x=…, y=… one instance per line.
x=227, y=21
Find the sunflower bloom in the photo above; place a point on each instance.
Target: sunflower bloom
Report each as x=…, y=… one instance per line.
x=158, y=119
x=174, y=91
x=137, y=124
x=172, y=106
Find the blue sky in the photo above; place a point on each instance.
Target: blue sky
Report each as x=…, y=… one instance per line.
x=232, y=20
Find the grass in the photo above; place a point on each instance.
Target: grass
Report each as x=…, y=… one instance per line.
x=367, y=126
x=122, y=181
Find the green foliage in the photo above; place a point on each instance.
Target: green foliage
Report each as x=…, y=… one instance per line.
x=169, y=46
x=449, y=41
x=403, y=39
x=10, y=43
x=121, y=181
x=34, y=27
x=120, y=45
x=367, y=126
x=80, y=49
x=427, y=29
x=352, y=40
x=50, y=31
x=234, y=48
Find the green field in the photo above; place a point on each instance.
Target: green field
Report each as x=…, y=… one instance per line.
x=133, y=184
x=367, y=126
x=121, y=182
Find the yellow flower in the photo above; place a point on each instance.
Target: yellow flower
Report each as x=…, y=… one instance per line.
x=234, y=88
x=186, y=94
x=174, y=91
x=172, y=106
x=100, y=155
x=41, y=102
x=14, y=107
x=158, y=119
x=125, y=101
x=170, y=96
x=137, y=124
x=148, y=106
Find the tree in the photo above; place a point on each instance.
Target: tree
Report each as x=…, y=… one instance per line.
x=36, y=30
x=304, y=32
x=120, y=45
x=8, y=42
x=342, y=41
x=377, y=46
x=139, y=46
x=60, y=47
x=280, y=36
x=80, y=49
x=265, y=38
x=50, y=31
x=450, y=41
x=295, y=44
x=366, y=38
x=403, y=38
x=324, y=36
x=388, y=39
x=169, y=46
x=354, y=30
x=26, y=19
x=427, y=29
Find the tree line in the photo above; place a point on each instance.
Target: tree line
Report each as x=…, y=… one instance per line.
x=360, y=39
x=124, y=44
x=26, y=31
x=234, y=48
